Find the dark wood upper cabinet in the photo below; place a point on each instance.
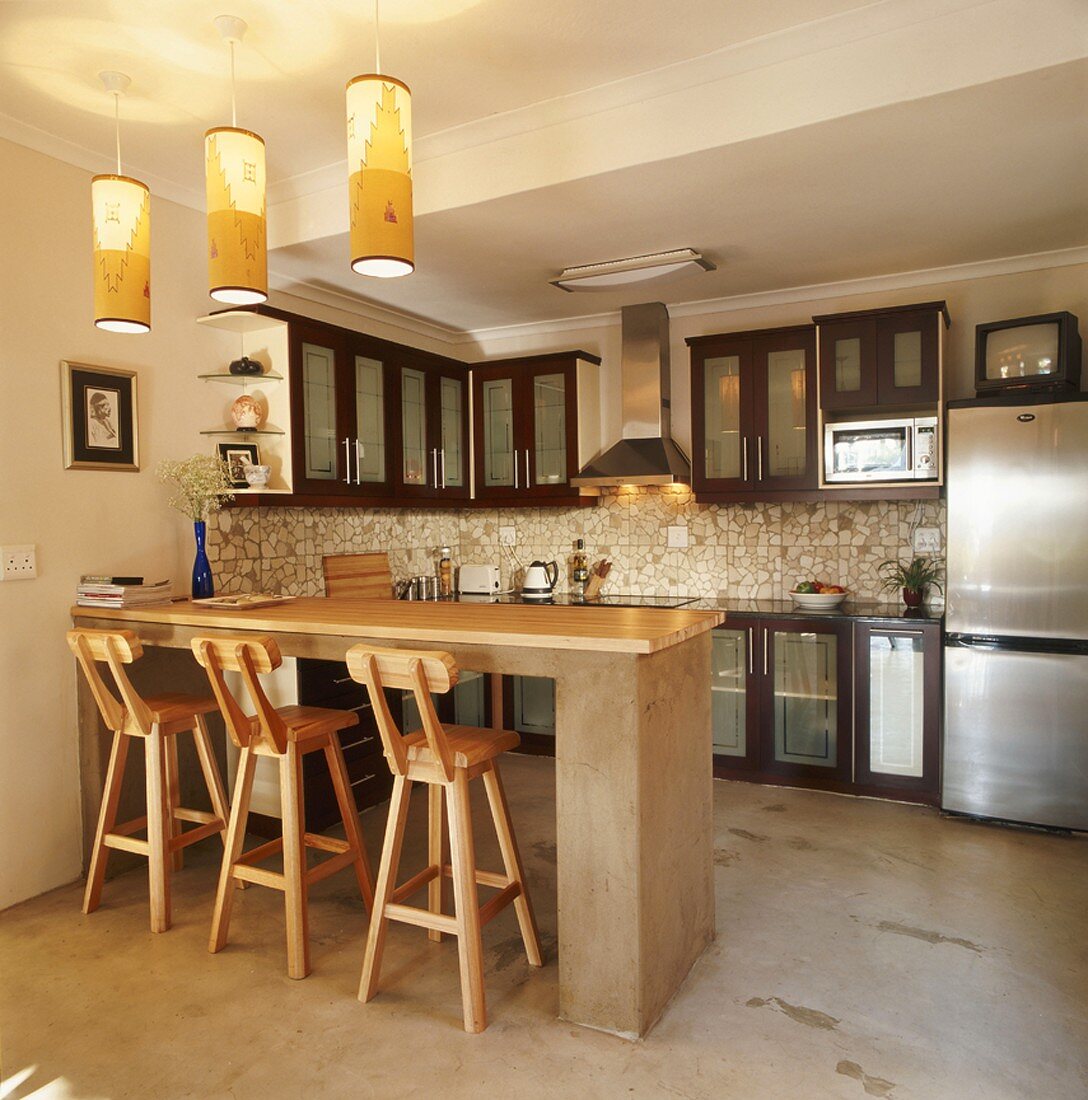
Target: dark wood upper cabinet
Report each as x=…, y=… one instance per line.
x=526, y=431
x=879, y=359
x=753, y=401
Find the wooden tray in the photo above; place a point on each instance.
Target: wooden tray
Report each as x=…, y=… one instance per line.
x=247, y=601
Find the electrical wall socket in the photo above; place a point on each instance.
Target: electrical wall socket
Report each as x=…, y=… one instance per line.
x=927, y=540
x=508, y=536
x=678, y=536
x=20, y=563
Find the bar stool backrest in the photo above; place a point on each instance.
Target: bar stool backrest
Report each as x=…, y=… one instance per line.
x=116, y=648
x=249, y=655
x=420, y=672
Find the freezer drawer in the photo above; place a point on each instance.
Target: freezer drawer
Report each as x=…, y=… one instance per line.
x=1016, y=736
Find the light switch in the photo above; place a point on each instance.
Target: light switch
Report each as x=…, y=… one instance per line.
x=678, y=537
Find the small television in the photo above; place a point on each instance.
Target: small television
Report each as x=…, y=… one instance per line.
x=1028, y=354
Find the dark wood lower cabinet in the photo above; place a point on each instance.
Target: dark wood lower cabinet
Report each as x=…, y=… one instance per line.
x=836, y=704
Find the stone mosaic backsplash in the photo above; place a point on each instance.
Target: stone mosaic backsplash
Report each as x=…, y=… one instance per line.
x=736, y=551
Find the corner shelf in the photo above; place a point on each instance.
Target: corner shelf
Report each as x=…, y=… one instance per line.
x=241, y=436
x=240, y=379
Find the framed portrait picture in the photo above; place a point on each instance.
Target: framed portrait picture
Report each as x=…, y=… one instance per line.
x=238, y=456
x=99, y=407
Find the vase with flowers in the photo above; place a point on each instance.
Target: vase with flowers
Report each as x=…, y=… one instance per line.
x=201, y=485
x=911, y=578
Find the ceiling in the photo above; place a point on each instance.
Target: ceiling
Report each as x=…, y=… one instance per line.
x=794, y=142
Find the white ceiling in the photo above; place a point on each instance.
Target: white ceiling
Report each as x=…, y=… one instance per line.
x=793, y=141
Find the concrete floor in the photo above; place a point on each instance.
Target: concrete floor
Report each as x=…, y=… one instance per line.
x=864, y=949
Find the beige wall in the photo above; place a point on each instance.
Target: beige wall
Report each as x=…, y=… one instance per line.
x=79, y=520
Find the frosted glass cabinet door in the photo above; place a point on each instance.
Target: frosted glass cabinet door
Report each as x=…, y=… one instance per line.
x=807, y=688
x=452, y=418
x=369, y=420
x=498, y=422
x=549, y=429
x=413, y=411
x=787, y=429
x=729, y=704
x=723, y=445
x=896, y=703
x=319, y=412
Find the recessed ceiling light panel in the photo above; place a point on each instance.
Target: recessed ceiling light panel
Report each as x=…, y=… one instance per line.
x=634, y=269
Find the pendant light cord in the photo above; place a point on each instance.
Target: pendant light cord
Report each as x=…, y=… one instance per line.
x=377, y=42
x=117, y=126
x=233, y=95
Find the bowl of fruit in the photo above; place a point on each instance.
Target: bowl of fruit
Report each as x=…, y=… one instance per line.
x=817, y=596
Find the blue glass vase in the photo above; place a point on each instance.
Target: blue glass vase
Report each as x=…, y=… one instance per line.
x=203, y=585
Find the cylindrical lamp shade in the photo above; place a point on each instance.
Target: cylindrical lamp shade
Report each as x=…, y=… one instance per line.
x=121, y=217
x=380, y=176
x=234, y=174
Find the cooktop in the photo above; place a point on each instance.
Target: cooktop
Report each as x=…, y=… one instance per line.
x=563, y=599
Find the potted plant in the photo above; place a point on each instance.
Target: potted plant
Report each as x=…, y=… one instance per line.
x=201, y=485
x=911, y=578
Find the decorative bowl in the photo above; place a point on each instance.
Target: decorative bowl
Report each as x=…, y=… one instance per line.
x=818, y=601
x=257, y=476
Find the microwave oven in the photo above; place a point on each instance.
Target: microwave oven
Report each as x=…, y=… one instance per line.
x=881, y=450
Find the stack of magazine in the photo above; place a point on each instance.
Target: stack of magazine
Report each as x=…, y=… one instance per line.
x=95, y=590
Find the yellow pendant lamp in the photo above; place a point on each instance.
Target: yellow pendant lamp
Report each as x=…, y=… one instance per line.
x=234, y=172
x=379, y=114
x=121, y=220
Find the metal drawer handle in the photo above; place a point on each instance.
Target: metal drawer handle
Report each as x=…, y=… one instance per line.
x=906, y=633
x=354, y=744
x=344, y=680
x=356, y=782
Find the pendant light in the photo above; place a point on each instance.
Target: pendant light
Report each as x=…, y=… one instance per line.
x=379, y=110
x=121, y=218
x=234, y=172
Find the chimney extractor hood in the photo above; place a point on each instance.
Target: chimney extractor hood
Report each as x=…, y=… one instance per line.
x=646, y=453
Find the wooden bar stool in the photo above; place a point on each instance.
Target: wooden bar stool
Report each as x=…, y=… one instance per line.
x=286, y=734
x=156, y=719
x=445, y=758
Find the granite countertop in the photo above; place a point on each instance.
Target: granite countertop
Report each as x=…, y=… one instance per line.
x=851, y=609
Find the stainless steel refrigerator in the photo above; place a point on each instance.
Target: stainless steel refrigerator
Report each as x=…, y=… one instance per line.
x=1016, y=616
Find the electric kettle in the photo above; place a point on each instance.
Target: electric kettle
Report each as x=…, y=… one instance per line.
x=540, y=579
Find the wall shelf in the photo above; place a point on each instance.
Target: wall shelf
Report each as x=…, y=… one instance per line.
x=243, y=436
x=240, y=379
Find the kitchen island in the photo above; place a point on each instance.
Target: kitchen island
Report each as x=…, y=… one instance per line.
x=633, y=761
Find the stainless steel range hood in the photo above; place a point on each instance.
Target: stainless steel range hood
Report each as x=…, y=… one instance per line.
x=646, y=453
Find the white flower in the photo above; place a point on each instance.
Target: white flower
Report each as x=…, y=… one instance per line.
x=202, y=485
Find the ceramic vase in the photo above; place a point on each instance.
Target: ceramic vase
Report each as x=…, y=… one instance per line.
x=203, y=585
x=913, y=597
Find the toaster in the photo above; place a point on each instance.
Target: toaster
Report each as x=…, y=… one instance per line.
x=478, y=580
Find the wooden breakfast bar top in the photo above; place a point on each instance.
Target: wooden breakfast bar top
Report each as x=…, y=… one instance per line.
x=608, y=629
x=633, y=784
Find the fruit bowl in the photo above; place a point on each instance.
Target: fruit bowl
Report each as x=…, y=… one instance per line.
x=818, y=601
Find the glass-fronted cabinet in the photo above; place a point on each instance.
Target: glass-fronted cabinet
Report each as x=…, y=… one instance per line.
x=754, y=413
x=898, y=706
x=733, y=703
x=806, y=691
x=433, y=431
x=321, y=458
x=526, y=425
x=881, y=358
x=829, y=702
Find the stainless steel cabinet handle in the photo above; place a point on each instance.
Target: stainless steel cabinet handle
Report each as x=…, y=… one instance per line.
x=744, y=451
x=347, y=462
x=751, y=651
x=434, y=462
x=359, y=451
x=906, y=633
x=759, y=458
x=528, y=476
x=765, y=633
x=443, y=454
x=515, y=456
x=356, y=782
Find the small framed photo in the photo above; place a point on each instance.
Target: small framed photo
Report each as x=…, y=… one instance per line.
x=238, y=456
x=99, y=407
